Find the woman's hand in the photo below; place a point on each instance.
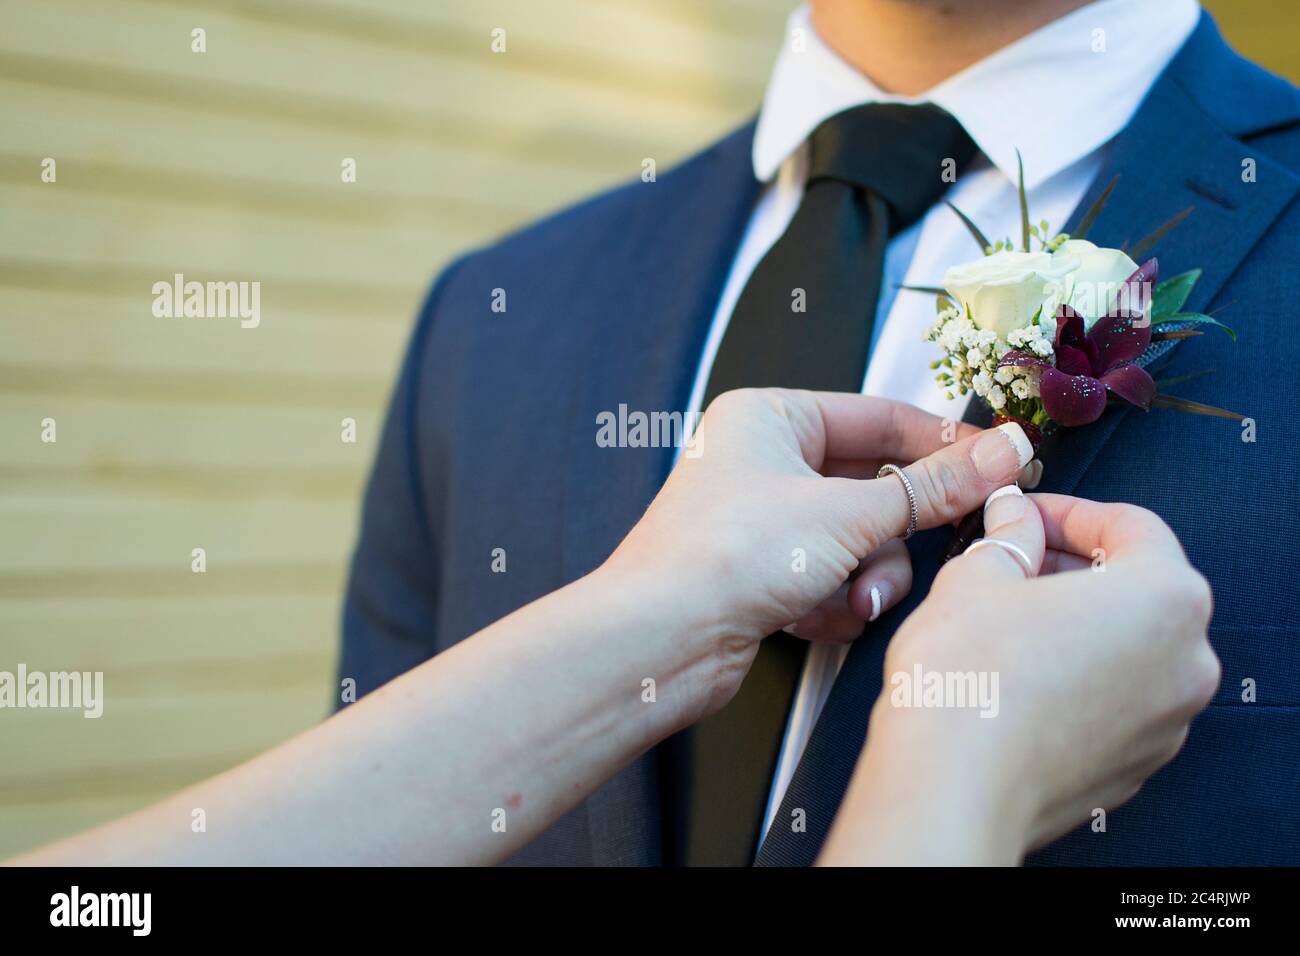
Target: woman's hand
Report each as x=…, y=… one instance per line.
x=776, y=505
x=1100, y=666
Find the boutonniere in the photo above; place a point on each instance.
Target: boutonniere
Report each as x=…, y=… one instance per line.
x=1049, y=336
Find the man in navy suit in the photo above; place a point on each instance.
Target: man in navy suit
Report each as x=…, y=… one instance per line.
x=491, y=488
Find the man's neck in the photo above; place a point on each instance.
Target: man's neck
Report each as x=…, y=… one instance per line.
x=909, y=46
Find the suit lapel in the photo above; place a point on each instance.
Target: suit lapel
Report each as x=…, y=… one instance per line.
x=1172, y=157
x=1174, y=154
x=662, y=292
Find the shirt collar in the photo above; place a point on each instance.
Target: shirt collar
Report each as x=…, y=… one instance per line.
x=1048, y=94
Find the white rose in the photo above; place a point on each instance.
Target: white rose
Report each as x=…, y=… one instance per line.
x=1094, y=286
x=1004, y=291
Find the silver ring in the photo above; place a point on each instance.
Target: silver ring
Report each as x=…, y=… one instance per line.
x=911, y=496
x=1014, y=550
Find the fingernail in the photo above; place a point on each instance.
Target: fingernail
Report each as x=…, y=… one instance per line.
x=790, y=629
x=1004, y=506
x=1001, y=452
x=1031, y=475
x=877, y=601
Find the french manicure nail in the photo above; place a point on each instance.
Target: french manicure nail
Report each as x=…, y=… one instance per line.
x=877, y=602
x=1004, y=506
x=1019, y=440
x=1001, y=452
x=1031, y=475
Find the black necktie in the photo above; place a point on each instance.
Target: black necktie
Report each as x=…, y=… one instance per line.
x=803, y=320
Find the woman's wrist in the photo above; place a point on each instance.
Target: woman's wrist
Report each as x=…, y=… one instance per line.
x=677, y=642
x=926, y=791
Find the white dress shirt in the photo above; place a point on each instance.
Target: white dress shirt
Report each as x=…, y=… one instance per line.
x=1058, y=95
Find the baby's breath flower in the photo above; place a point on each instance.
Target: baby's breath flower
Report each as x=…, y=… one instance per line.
x=970, y=362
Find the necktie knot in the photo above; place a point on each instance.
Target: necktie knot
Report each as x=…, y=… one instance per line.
x=906, y=155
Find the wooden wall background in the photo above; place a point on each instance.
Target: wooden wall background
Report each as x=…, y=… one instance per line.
x=182, y=433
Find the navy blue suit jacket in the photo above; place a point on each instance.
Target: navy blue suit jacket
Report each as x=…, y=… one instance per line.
x=490, y=443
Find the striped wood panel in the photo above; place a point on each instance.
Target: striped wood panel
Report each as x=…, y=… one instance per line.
x=182, y=433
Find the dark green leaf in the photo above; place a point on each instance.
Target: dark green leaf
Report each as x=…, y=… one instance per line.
x=1194, y=317
x=1169, y=295
x=1094, y=210
x=1145, y=245
x=1182, y=334
x=1196, y=408
x=931, y=289
x=1024, y=205
x=984, y=244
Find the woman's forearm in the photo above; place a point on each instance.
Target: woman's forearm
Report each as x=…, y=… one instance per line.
x=462, y=760
x=915, y=802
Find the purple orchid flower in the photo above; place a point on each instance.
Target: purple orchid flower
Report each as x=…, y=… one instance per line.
x=1094, y=364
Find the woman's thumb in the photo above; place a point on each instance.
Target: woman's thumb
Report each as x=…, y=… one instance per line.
x=955, y=480
x=1013, y=542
